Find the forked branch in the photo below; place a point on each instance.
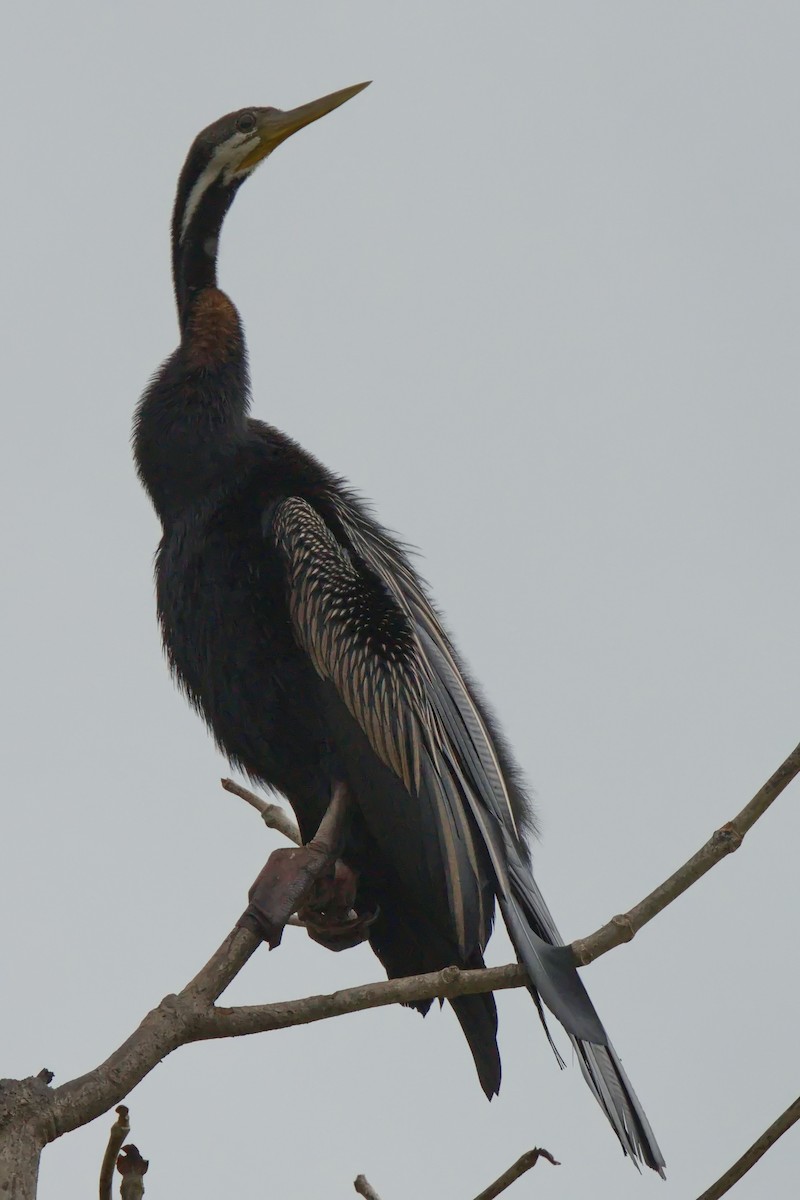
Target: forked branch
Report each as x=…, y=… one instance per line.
x=192, y=1015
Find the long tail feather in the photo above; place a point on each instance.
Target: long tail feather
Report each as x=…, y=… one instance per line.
x=553, y=976
x=478, y=1018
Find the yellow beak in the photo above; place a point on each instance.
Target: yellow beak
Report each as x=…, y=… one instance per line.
x=275, y=126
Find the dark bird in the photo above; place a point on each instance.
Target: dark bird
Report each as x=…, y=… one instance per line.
x=300, y=630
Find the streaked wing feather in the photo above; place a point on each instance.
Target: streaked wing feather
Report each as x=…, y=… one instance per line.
x=357, y=636
x=383, y=557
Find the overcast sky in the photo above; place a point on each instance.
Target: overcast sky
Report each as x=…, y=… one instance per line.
x=535, y=292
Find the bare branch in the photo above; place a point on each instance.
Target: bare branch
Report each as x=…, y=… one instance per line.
x=192, y=1015
x=162, y=1031
x=119, y=1131
x=523, y=1164
x=750, y=1157
x=285, y=1014
x=724, y=841
x=133, y=1168
x=272, y=815
x=365, y=1188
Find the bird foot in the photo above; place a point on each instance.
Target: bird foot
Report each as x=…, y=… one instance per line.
x=337, y=930
x=328, y=915
x=284, y=883
x=293, y=875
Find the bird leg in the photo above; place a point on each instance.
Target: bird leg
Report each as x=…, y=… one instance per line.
x=290, y=875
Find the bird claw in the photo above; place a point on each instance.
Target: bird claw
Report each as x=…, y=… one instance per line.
x=337, y=930
x=328, y=914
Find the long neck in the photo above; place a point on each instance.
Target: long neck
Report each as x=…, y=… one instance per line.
x=195, y=240
x=192, y=420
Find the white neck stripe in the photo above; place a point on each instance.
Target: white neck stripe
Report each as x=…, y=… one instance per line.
x=223, y=162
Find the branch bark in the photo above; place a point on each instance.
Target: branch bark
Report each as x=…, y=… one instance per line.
x=758, y=1149
x=524, y=1163
x=22, y=1134
x=273, y=816
x=364, y=1188
x=117, y=1134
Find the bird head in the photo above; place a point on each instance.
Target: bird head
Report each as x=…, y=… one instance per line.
x=227, y=153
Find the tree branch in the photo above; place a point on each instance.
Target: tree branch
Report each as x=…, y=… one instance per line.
x=758, y=1149
x=523, y=1164
x=365, y=1188
x=192, y=1015
x=163, y=1030
x=724, y=841
x=133, y=1168
x=117, y=1134
x=273, y=816
x=216, y=1022
x=529, y=1159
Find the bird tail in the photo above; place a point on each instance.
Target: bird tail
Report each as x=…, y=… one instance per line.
x=551, y=968
x=477, y=1016
x=407, y=944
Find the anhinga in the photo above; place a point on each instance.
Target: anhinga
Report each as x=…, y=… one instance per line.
x=300, y=630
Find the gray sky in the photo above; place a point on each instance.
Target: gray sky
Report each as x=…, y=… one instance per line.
x=535, y=293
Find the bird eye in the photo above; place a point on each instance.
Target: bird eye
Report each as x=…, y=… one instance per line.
x=246, y=122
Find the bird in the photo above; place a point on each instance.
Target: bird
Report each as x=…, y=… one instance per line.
x=303, y=634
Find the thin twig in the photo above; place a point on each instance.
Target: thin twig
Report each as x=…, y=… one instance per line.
x=365, y=1188
x=724, y=841
x=271, y=814
x=117, y=1134
x=750, y=1157
x=523, y=1164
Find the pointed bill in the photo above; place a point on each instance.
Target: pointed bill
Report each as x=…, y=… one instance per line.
x=275, y=126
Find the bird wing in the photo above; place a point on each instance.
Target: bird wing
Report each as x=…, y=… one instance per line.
x=466, y=744
x=363, y=641
x=365, y=621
